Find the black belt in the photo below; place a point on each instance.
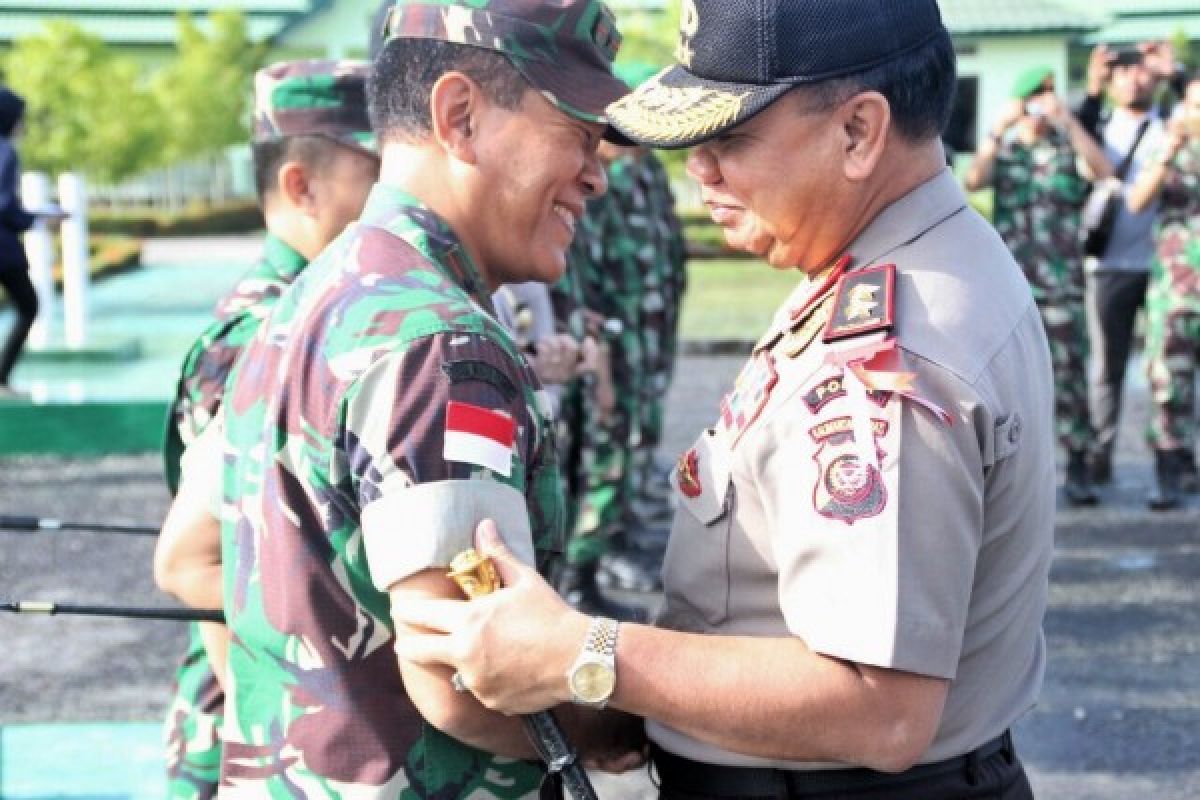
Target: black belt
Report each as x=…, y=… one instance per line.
x=714, y=780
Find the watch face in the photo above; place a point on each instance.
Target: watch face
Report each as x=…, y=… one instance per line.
x=593, y=682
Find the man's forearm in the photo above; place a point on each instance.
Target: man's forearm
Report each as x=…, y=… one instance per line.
x=775, y=698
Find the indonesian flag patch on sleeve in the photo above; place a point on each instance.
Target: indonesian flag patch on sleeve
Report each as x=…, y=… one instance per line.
x=480, y=436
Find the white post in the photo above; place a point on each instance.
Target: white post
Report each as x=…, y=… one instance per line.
x=72, y=194
x=39, y=248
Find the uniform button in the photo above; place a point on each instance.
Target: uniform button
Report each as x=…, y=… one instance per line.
x=1014, y=432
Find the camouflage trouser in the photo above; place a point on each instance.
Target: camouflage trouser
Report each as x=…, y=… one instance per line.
x=606, y=455
x=1066, y=329
x=1172, y=348
x=193, y=725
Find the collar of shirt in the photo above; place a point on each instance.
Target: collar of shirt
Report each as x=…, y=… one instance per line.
x=405, y=217
x=908, y=219
x=281, y=258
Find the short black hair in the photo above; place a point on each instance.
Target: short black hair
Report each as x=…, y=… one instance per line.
x=311, y=150
x=918, y=85
x=403, y=74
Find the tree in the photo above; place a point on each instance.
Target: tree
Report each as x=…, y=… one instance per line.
x=87, y=110
x=203, y=94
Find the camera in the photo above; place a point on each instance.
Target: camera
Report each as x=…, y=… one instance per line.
x=1127, y=57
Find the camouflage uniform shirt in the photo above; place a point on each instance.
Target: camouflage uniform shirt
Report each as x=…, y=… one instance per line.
x=194, y=717
x=208, y=363
x=1176, y=270
x=1039, y=196
x=345, y=473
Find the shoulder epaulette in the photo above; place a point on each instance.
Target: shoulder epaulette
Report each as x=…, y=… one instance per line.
x=864, y=302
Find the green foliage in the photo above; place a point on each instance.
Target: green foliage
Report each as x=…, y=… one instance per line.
x=88, y=110
x=203, y=94
x=92, y=111
x=1182, y=47
x=648, y=36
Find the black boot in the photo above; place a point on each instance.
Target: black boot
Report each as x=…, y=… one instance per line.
x=1077, y=487
x=577, y=585
x=1189, y=478
x=1166, y=473
x=1101, y=468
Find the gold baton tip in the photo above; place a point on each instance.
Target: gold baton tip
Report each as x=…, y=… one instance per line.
x=474, y=573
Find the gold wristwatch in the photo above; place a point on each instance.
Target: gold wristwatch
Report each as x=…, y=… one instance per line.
x=593, y=677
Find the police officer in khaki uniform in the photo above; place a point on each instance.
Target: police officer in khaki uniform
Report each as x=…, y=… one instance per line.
x=857, y=577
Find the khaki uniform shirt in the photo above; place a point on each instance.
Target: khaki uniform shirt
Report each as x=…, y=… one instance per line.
x=934, y=559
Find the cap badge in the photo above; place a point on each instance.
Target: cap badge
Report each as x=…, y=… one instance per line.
x=689, y=24
x=663, y=113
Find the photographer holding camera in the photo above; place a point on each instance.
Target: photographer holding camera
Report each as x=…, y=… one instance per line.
x=1130, y=131
x=1172, y=179
x=1039, y=159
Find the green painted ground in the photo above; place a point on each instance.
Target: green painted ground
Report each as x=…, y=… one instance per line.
x=81, y=762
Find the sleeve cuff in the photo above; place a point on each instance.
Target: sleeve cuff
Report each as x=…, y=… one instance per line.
x=425, y=526
x=200, y=469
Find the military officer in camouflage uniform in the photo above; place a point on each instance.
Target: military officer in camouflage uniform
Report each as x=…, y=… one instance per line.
x=314, y=163
x=1030, y=159
x=858, y=570
x=381, y=411
x=1173, y=301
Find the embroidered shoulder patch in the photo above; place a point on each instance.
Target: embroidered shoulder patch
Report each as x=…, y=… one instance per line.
x=468, y=371
x=846, y=489
x=864, y=303
x=833, y=387
x=750, y=393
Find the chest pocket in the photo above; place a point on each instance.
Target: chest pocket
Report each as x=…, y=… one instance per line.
x=697, y=562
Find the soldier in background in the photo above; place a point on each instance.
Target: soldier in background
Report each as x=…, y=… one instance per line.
x=1172, y=176
x=314, y=162
x=1031, y=158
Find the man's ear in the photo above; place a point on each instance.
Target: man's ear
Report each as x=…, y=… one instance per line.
x=866, y=120
x=295, y=188
x=455, y=106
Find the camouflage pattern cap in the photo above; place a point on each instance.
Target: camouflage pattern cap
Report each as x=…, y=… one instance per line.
x=564, y=48
x=314, y=96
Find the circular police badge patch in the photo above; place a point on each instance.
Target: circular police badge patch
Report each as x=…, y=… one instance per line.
x=846, y=489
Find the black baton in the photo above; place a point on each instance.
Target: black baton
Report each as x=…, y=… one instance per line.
x=128, y=612
x=27, y=524
x=476, y=575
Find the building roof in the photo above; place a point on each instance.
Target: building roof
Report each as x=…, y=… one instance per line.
x=149, y=22
x=978, y=17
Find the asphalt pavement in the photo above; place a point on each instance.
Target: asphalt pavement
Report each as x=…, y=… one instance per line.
x=1119, y=718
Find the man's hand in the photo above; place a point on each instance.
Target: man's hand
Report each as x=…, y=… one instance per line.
x=512, y=647
x=556, y=358
x=1099, y=71
x=1159, y=58
x=1014, y=112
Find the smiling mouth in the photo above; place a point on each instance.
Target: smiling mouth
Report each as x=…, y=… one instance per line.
x=566, y=216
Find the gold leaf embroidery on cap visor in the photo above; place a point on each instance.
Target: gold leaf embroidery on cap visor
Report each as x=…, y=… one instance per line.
x=666, y=114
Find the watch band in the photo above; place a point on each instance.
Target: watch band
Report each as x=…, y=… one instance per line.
x=602, y=637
